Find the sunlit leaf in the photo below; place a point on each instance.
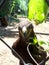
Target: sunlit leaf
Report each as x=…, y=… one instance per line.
x=37, y=10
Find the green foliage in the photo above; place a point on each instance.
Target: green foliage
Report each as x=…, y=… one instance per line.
x=12, y=5
x=21, y=5
x=37, y=10
x=44, y=44
x=7, y=8
x=33, y=40
x=41, y=42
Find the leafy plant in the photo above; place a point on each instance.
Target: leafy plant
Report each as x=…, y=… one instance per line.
x=21, y=5
x=7, y=7
x=33, y=40
x=37, y=10
x=45, y=45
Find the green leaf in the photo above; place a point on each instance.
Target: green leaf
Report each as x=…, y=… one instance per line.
x=41, y=42
x=37, y=10
x=33, y=40
x=45, y=45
